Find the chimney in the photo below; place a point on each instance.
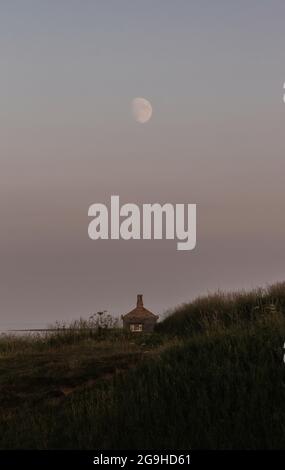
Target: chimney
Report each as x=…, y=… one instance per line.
x=139, y=300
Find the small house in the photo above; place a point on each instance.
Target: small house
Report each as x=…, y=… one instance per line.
x=139, y=319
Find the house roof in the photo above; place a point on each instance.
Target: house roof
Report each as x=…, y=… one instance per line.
x=140, y=312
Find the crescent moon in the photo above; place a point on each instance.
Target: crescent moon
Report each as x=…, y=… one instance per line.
x=142, y=110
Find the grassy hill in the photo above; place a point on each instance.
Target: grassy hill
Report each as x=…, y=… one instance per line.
x=211, y=376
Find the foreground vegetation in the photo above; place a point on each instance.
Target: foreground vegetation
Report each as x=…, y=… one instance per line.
x=211, y=376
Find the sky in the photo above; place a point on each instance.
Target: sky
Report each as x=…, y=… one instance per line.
x=214, y=73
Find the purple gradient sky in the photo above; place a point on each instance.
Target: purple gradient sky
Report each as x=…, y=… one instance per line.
x=214, y=72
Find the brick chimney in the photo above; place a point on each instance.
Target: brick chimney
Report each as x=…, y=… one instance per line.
x=139, y=300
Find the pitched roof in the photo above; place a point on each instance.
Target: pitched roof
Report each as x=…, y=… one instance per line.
x=140, y=312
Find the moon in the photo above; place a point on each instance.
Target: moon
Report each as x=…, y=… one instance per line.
x=142, y=110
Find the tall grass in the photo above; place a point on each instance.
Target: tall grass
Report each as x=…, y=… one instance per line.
x=62, y=333
x=215, y=379
x=221, y=311
x=224, y=390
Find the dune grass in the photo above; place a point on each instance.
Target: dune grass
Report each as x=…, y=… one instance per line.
x=220, y=311
x=211, y=376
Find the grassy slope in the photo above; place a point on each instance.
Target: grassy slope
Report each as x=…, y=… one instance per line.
x=218, y=384
x=35, y=375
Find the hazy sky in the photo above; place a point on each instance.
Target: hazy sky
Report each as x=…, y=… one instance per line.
x=214, y=73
